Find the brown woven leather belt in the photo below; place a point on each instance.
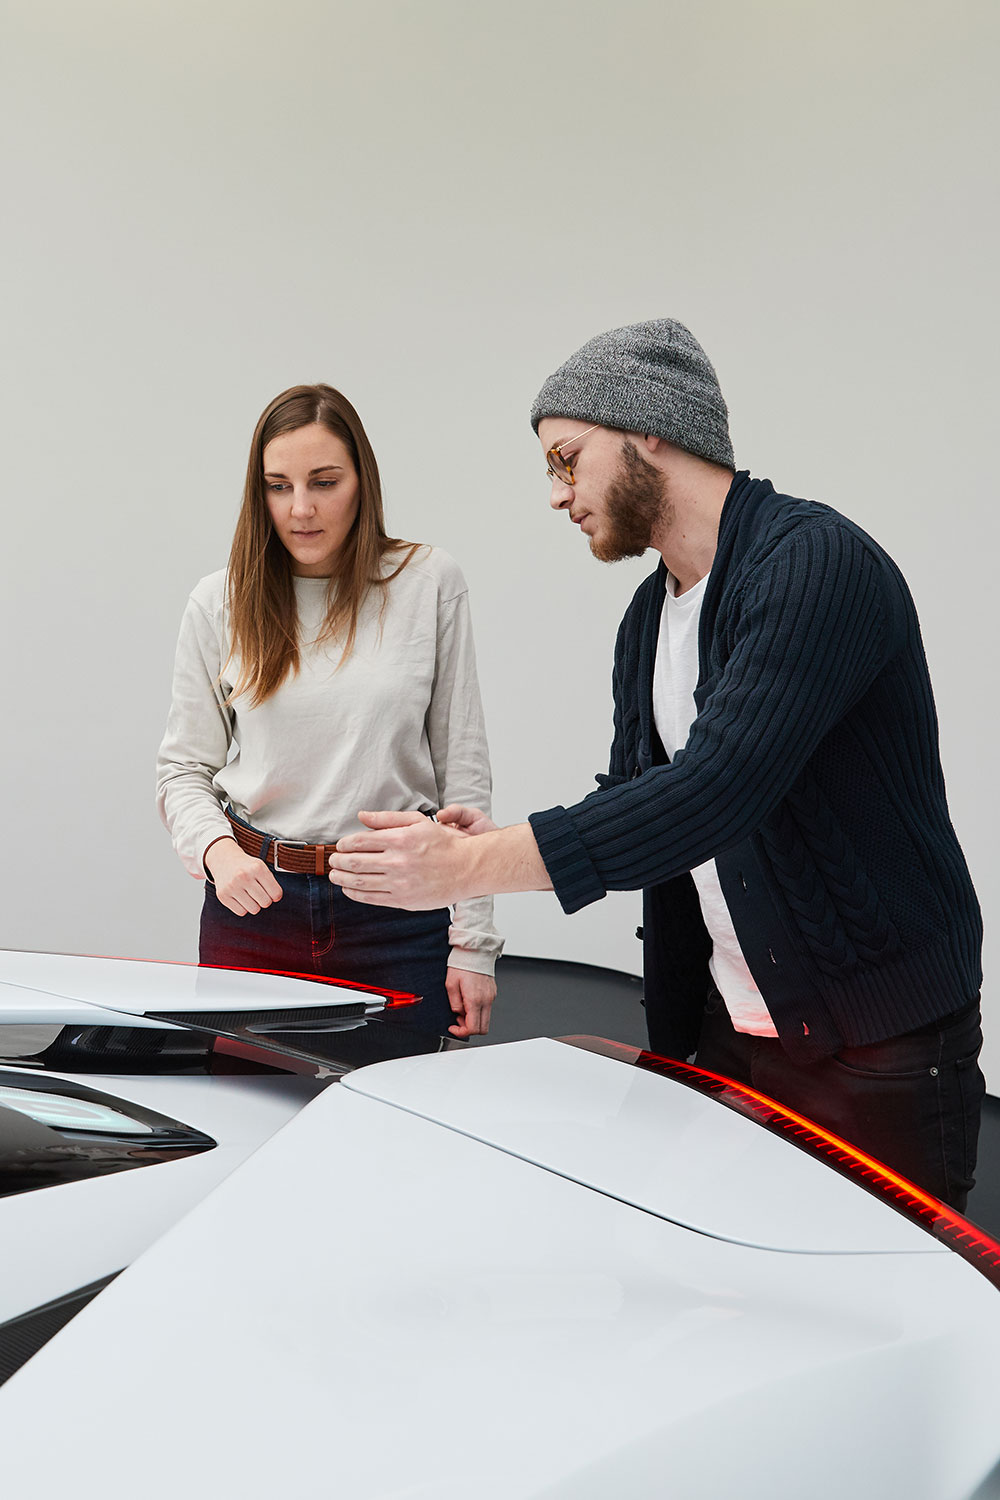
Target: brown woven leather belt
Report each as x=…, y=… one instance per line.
x=289, y=855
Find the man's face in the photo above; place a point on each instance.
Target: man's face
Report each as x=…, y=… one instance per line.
x=618, y=497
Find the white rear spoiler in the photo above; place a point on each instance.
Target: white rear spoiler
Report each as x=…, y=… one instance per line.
x=72, y=989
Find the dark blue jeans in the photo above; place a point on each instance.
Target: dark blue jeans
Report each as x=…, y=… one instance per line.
x=912, y=1102
x=316, y=929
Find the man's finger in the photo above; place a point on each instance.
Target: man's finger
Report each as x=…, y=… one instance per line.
x=359, y=864
x=370, y=881
x=362, y=843
x=363, y=864
x=354, y=882
x=389, y=819
x=371, y=898
x=375, y=882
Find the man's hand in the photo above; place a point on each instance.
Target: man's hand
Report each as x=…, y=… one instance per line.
x=409, y=861
x=244, y=884
x=406, y=860
x=471, y=997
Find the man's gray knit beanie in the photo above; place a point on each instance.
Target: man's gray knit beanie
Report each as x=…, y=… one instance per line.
x=648, y=377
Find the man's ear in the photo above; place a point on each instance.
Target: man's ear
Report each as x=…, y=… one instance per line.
x=653, y=443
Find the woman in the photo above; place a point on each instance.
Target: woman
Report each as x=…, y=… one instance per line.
x=329, y=669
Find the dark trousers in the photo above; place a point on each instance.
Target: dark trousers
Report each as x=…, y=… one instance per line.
x=316, y=929
x=913, y=1102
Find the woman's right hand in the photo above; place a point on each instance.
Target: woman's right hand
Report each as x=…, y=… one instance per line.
x=466, y=819
x=242, y=883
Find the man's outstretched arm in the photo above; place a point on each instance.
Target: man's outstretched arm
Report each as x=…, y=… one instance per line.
x=407, y=860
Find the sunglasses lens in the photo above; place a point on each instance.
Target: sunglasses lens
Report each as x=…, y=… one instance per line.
x=558, y=467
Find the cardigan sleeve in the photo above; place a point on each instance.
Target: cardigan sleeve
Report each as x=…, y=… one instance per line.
x=813, y=631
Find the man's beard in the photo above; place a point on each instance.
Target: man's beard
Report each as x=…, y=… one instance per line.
x=634, y=502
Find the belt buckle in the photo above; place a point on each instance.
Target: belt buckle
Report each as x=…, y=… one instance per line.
x=291, y=844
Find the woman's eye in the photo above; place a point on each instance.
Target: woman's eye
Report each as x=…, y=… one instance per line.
x=325, y=484
x=273, y=485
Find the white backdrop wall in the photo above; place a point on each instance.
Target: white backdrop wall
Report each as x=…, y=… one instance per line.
x=430, y=205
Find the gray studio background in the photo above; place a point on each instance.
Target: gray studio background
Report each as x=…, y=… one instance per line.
x=431, y=205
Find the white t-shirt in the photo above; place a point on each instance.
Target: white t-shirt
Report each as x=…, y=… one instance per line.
x=398, y=726
x=675, y=677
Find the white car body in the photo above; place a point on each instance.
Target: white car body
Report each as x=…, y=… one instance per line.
x=113, y=1219
x=527, y=1270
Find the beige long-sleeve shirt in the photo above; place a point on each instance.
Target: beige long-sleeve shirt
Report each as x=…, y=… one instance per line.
x=399, y=726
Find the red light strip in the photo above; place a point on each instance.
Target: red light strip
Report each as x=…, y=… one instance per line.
x=920, y=1207
x=393, y=998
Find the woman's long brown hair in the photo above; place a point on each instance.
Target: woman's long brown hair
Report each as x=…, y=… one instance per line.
x=263, y=619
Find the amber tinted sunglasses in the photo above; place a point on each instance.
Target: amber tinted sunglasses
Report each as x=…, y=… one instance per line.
x=562, y=468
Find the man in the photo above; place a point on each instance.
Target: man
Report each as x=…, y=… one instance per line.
x=809, y=922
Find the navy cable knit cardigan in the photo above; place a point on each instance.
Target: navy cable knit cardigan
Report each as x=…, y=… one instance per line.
x=811, y=775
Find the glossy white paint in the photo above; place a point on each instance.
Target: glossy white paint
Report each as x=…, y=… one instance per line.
x=136, y=987
x=58, y=1238
x=22, y=1006
x=652, y=1143
x=378, y=1306
x=521, y=1271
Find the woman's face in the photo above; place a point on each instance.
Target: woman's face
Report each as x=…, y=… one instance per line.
x=312, y=491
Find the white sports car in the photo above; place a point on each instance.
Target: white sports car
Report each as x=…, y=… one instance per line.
x=571, y=1271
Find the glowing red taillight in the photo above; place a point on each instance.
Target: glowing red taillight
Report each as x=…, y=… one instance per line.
x=922, y=1208
x=393, y=998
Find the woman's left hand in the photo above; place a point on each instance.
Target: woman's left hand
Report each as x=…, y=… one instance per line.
x=471, y=996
